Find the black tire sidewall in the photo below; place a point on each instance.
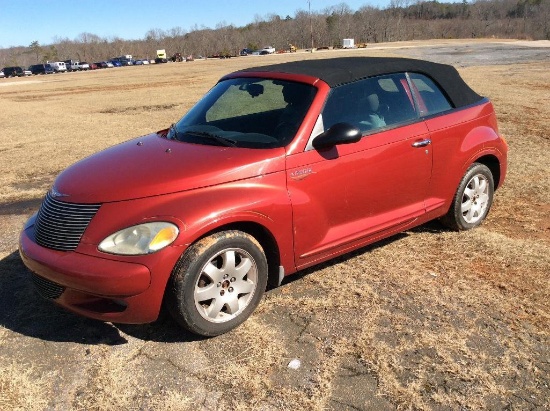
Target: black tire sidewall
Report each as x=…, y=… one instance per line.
x=181, y=299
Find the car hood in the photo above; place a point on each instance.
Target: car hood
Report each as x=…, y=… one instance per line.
x=152, y=165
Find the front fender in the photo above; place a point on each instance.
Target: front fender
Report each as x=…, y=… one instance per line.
x=262, y=200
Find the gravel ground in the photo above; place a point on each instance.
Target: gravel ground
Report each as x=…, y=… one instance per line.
x=476, y=54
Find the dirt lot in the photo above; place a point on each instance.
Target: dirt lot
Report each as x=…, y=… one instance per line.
x=429, y=319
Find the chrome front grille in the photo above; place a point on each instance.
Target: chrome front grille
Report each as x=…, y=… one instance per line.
x=60, y=225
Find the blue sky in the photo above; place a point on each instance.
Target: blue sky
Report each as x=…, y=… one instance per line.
x=24, y=21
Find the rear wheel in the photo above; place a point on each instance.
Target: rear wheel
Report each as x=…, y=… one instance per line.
x=472, y=200
x=218, y=283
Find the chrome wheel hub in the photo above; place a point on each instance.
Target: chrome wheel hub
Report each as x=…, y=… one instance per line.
x=475, y=199
x=226, y=285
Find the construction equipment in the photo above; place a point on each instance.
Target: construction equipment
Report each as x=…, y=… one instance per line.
x=161, y=56
x=176, y=58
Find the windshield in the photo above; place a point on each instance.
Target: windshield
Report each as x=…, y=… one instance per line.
x=246, y=112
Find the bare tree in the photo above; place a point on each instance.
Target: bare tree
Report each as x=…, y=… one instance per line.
x=400, y=20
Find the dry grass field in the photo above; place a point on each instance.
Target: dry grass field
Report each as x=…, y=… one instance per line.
x=428, y=319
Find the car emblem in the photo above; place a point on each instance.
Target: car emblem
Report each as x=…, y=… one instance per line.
x=57, y=194
x=301, y=174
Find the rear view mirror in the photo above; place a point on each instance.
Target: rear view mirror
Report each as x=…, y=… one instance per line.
x=253, y=89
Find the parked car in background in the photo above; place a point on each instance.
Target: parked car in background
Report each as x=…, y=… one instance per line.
x=267, y=50
x=93, y=66
x=123, y=61
x=41, y=69
x=27, y=72
x=104, y=64
x=84, y=66
x=58, y=66
x=15, y=71
x=74, y=65
x=246, y=52
x=278, y=168
x=2, y=75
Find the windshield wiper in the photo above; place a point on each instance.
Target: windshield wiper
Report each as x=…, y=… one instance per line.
x=222, y=140
x=174, y=131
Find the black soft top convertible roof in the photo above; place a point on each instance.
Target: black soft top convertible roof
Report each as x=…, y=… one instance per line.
x=338, y=71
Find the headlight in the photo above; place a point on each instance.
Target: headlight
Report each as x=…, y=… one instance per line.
x=140, y=239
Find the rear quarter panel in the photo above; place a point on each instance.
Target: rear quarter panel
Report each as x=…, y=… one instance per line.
x=459, y=138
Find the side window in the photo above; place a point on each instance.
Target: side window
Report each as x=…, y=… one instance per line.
x=429, y=96
x=371, y=104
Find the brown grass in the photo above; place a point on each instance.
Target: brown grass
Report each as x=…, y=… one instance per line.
x=429, y=319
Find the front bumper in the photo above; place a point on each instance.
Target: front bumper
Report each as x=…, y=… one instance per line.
x=95, y=287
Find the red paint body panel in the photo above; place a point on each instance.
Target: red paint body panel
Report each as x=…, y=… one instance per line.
x=355, y=191
x=158, y=166
x=458, y=139
x=94, y=283
x=86, y=273
x=315, y=204
x=96, y=275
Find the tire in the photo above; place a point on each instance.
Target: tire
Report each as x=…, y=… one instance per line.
x=473, y=199
x=217, y=283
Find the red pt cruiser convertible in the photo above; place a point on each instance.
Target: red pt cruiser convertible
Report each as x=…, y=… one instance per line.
x=275, y=169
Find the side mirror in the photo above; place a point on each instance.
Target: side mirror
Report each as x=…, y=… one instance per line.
x=340, y=133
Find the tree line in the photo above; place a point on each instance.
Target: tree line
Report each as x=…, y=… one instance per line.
x=401, y=20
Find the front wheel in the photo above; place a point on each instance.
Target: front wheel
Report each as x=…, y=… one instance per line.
x=218, y=283
x=472, y=200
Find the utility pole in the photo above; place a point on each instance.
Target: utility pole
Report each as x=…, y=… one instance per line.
x=310, y=24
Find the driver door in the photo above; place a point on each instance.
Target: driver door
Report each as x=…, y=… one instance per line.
x=350, y=195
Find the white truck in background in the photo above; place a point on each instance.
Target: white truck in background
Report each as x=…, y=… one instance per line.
x=348, y=43
x=74, y=65
x=58, y=66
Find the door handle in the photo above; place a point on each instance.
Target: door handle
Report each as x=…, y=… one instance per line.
x=422, y=143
